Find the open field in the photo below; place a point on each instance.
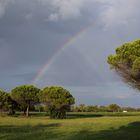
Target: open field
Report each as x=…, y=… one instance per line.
x=79, y=126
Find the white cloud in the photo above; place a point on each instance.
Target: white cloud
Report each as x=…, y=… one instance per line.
x=53, y=17
x=119, y=12
x=111, y=12
x=3, y=5
x=63, y=9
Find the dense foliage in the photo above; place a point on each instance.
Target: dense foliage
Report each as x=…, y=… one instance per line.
x=55, y=100
x=58, y=100
x=3, y=99
x=114, y=108
x=126, y=61
x=6, y=103
x=25, y=96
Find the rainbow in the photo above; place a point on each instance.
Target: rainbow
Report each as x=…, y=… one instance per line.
x=70, y=41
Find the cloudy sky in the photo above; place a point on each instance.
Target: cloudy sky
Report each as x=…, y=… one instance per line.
x=66, y=43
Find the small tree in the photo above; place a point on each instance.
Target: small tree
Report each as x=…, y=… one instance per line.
x=92, y=108
x=58, y=100
x=25, y=96
x=82, y=107
x=103, y=109
x=114, y=108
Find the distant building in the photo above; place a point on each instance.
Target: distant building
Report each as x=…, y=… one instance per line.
x=125, y=111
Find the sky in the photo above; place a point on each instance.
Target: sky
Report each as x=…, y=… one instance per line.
x=66, y=43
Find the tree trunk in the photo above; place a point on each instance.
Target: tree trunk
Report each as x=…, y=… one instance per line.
x=24, y=112
x=0, y=110
x=27, y=111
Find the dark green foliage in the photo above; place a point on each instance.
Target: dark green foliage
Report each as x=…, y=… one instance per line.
x=25, y=96
x=82, y=108
x=114, y=108
x=6, y=103
x=58, y=100
x=126, y=62
x=40, y=108
x=3, y=100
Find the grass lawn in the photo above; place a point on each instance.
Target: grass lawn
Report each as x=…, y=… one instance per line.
x=79, y=126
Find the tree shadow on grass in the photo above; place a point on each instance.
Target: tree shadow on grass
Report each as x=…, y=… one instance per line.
x=51, y=132
x=38, y=132
x=76, y=116
x=129, y=132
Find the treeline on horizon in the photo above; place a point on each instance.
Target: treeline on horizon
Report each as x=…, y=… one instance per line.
x=56, y=101
x=101, y=108
x=90, y=108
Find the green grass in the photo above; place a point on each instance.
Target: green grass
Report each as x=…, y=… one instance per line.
x=79, y=126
